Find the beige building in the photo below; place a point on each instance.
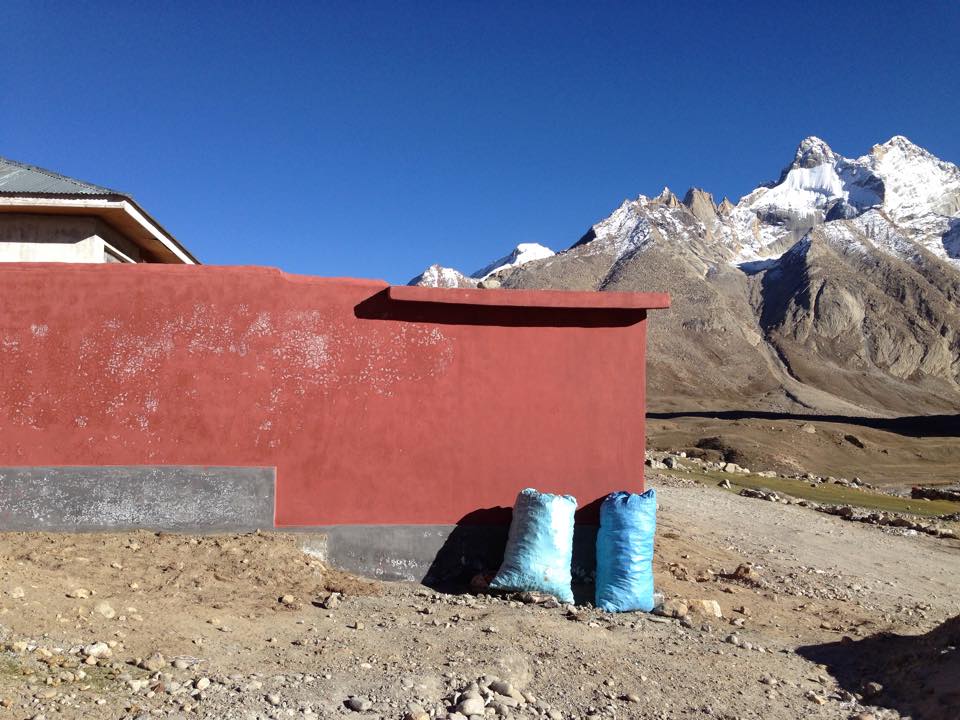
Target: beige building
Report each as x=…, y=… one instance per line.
x=48, y=217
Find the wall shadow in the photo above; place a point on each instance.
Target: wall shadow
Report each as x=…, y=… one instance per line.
x=920, y=674
x=474, y=546
x=478, y=540
x=380, y=307
x=912, y=426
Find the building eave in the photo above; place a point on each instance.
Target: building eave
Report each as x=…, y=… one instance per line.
x=119, y=211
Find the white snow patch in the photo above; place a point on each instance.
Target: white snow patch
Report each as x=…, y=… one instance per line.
x=804, y=190
x=439, y=276
x=522, y=254
x=916, y=182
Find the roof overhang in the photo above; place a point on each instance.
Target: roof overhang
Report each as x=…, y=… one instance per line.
x=118, y=211
x=544, y=299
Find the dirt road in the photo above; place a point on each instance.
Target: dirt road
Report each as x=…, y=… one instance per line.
x=247, y=628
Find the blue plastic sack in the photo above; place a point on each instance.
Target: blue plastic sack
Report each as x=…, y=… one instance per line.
x=539, y=546
x=628, y=523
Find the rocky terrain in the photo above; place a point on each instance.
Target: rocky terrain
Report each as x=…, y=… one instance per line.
x=769, y=610
x=835, y=289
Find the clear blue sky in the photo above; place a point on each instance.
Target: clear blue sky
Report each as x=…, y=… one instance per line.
x=373, y=138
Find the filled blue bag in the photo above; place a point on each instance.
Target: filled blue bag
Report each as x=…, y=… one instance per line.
x=628, y=523
x=539, y=546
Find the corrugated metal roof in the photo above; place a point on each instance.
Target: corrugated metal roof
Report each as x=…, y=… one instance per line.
x=20, y=178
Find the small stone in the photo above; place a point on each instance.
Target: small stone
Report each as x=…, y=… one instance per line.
x=706, y=608
x=181, y=664
x=154, y=662
x=631, y=698
x=106, y=610
x=471, y=706
x=16, y=592
x=872, y=689
x=502, y=687
x=332, y=601
x=415, y=712
x=79, y=593
x=273, y=699
x=358, y=704
x=733, y=640
x=814, y=697
x=201, y=683
x=745, y=573
x=287, y=600
x=356, y=625
x=674, y=608
x=97, y=650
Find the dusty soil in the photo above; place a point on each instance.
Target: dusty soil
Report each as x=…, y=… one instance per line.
x=883, y=451
x=242, y=619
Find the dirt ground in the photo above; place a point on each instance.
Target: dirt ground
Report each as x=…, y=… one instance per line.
x=883, y=451
x=824, y=619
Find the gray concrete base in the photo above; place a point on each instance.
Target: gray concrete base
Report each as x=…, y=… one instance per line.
x=437, y=555
x=158, y=497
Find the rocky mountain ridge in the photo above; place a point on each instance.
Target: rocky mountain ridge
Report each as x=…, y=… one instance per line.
x=835, y=288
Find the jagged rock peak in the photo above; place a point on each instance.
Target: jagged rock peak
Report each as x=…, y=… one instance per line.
x=696, y=195
x=903, y=147
x=666, y=198
x=811, y=152
x=701, y=204
x=725, y=207
x=902, y=142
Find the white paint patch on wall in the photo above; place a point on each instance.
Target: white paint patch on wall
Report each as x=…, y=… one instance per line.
x=294, y=360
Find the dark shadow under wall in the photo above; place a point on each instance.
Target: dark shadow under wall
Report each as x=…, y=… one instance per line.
x=477, y=542
x=381, y=307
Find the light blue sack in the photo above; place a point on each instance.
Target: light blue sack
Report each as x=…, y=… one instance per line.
x=540, y=546
x=628, y=523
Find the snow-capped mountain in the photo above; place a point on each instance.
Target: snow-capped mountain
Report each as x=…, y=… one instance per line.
x=521, y=254
x=835, y=287
x=445, y=277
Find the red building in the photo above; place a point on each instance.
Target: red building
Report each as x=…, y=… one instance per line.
x=375, y=405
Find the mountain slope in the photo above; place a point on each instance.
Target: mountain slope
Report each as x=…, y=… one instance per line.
x=836, y=288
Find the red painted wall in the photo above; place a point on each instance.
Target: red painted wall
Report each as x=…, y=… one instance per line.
x=373, y=409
